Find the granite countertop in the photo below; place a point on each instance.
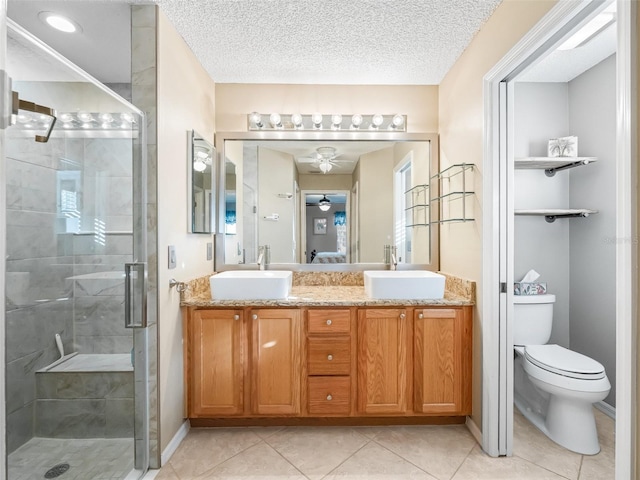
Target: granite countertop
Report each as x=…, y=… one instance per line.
x=322, y=296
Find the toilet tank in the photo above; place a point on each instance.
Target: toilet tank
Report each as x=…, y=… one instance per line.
x=532, y=319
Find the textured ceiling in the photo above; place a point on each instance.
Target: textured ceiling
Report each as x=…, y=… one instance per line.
x=366, y=42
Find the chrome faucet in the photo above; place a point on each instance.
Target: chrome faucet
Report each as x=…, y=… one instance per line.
x=264, y=252
x=393, y=265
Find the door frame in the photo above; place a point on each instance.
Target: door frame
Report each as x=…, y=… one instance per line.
x=497, y=411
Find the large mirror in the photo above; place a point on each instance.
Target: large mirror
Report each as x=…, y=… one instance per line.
x=201, y=179
x=327, y=202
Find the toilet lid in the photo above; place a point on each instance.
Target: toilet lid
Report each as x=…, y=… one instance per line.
x=562, y=361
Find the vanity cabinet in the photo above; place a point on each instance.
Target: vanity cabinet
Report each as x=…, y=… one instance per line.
x=330, y=361
x=442, y=361
x=216, y=347
x=383, y=361
x=368, y=363
x=276, y=362
x=243, y=362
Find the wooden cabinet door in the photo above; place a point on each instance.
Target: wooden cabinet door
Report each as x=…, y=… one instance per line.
x=383, y=365
x=217, y=343
x=275, y=371
x=442, y=361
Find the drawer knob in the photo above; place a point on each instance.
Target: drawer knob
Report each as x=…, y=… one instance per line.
x=420, y=316
x=254, y=316
x=236, y=317
x=402, y=316
x=329, y=322
x=329, y=357
x=329, y=397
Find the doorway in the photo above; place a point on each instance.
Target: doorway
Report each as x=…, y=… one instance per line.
x=499, y=262
x=75, y=319
x=326, y=231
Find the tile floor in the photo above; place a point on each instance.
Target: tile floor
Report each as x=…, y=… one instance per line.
x=377, y=453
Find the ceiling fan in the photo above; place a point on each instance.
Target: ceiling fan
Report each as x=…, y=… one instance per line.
x=324, y=158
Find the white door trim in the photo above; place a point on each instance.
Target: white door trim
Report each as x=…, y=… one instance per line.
x=497, y=347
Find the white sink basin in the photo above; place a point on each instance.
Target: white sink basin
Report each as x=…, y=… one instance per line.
x=250, y=285
x=404, y=284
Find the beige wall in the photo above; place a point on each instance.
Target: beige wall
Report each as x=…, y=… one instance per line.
x=185, y=101
x=235, y=101
x=461, y=140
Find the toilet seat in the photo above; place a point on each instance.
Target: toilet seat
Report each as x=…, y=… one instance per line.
x=561, y=361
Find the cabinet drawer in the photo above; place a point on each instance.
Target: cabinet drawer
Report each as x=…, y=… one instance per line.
x=329, y=356
x=329, y=395
x=329, y=321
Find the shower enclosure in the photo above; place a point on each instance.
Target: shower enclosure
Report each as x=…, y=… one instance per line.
x=75, y=356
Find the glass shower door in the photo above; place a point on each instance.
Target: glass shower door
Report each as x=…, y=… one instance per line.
x=76, y=342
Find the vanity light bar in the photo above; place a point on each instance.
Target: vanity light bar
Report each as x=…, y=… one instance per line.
x=317, y=121
x=78, y=121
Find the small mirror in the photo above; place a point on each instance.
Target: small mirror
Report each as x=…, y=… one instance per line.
x=201, y=170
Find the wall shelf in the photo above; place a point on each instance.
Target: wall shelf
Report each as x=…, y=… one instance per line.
x=551, y=165
x=454, y=183
x=417, y=206
x=550, y=214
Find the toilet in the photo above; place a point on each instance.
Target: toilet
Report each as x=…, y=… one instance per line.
x=554, y=388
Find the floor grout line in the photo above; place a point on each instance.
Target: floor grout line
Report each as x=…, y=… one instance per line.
x=350, y=456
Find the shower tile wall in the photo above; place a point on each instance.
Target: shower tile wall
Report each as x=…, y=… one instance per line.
x=44, y=261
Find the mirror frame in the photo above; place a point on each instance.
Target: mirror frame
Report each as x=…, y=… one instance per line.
x=192, y=136
x=326, y=136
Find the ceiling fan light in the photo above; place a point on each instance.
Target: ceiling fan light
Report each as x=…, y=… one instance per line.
x=199, y=166
x=324, y=204
x=325, y=167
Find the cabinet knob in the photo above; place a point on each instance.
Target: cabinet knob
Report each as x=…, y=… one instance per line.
x=329, y=397
x=402, y=316
x=329, y=357
x=329, y=322
x=420, y=316
x=254, y=316
x=236, y=317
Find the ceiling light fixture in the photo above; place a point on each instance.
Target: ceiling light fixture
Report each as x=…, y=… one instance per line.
x=59, y=22
x=591, y=29
x=325, y=166
x=324, y=204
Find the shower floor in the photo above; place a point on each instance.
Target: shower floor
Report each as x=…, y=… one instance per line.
x=89, y=458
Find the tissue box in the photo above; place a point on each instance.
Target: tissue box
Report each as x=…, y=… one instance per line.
x=523, y=288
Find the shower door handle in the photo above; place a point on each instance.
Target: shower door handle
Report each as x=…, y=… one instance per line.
x=135, y=295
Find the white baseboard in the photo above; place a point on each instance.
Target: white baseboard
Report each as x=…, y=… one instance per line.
x=607, y=409
x=175, y=442
x=475, y=431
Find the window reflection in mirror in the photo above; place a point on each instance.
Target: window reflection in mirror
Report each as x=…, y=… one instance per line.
x=201, y=170
x=274, y=191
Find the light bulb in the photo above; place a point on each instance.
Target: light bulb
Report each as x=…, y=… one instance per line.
x=256, y=119
x=59, y=22
x=275, y=120
x=316, y=118
x=356, y=121
x=296, y=119
x=106, y=117
x=336, y=121
x=397, y=121
x=127, y=117
x=65, y=117
x=376, y=120
x=325, y=167
x=199, y=166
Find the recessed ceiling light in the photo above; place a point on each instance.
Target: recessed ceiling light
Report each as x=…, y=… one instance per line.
x=59, y=22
